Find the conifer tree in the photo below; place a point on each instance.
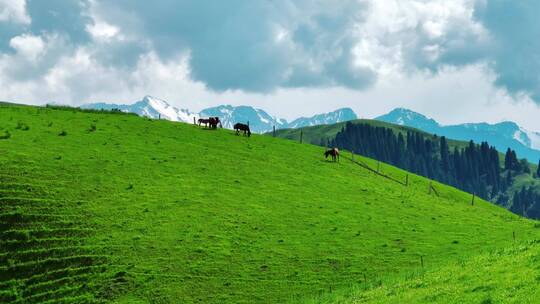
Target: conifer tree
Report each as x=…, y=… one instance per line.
x=524, y=166
x=508, y=160
x=515, y=163
x=444, y=154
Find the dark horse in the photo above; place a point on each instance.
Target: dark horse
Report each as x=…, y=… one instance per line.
x=204, y=121
x=212, y=121
x=242, y=127
x=334, y=152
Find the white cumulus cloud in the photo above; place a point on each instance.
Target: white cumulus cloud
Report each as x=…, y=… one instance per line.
x=14, y=11
x=27, y=45
x=102, y=30
x=291, y=57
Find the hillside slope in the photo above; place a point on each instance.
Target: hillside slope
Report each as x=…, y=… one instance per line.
x=503, y=276
x=367, y=137
x=120, y=208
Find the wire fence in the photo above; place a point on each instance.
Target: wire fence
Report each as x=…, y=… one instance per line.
x=377, y=168
x=378, y=171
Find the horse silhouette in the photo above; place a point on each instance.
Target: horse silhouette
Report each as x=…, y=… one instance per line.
x=334, y=152
x=242, y=127
x=204, y=121
x=212, y=122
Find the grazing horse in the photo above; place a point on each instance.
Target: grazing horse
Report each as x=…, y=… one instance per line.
x=334, y=152
x=242, y=127
x=204, y=121
x=214, y=122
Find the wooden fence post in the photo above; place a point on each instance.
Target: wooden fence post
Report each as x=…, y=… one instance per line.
x=472, y=201
x=407, y=180
x=274, y=131
x=301, y=135
x=514, y=235
x=422, y=261
x=159, y=116
x=378, y=166
x=352, y=155
x=194, y=120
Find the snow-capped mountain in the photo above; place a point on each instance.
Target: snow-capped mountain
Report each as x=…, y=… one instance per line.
x=339, y=115
x=530, y=139
x=502, y=135
x=405, y=117
x=149, y=107
x=259, y=120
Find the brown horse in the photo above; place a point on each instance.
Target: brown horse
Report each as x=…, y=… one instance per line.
x=242, y=127
x=334, y=152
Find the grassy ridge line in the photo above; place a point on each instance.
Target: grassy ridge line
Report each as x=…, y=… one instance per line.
x=314, y=134
x=224, y=218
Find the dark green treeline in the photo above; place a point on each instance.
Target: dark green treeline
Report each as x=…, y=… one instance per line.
x=475, y=168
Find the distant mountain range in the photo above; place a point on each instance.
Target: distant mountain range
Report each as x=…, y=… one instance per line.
x=502, y=135
x=259, y=120
x=150, y=107
x=344, y=114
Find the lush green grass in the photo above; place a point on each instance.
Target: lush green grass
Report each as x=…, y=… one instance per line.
x=511, y=275
x=154, y=211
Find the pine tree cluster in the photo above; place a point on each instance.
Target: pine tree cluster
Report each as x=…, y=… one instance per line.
x=475, y=168
x=526, y=202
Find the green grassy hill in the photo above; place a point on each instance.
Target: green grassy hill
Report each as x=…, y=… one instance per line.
x=320, y=135
x=315, y=134
x=113, y=207
x=511, y=275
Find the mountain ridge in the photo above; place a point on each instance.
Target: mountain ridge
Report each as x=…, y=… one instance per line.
x=503, y=135
x=260, y=121
x=149, y=106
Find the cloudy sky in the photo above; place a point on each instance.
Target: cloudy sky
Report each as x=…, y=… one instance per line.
x=456, y=61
